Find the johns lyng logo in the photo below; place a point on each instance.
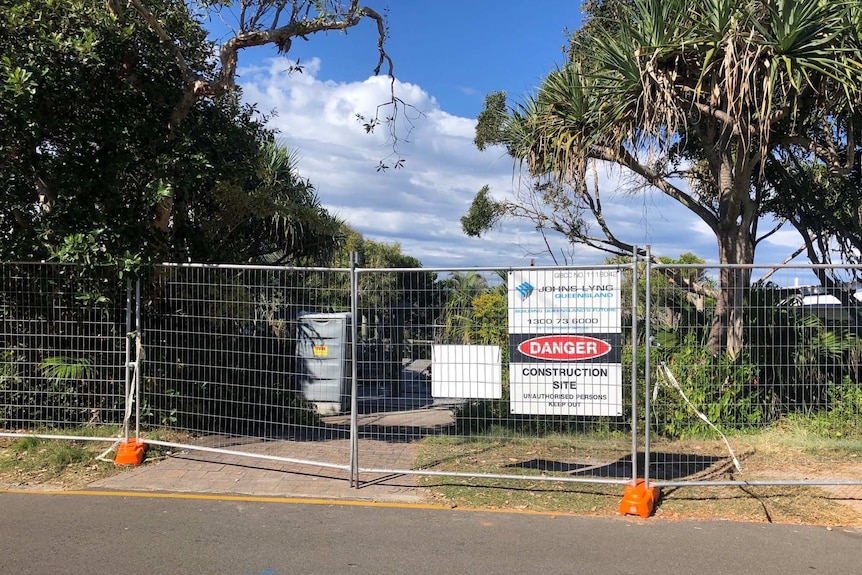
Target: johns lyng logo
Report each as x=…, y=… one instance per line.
x=525, y=289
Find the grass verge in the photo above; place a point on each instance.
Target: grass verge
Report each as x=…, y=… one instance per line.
x=29, y=461
x=773, y=455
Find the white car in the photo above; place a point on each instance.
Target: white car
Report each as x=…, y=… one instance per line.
x=816, y=300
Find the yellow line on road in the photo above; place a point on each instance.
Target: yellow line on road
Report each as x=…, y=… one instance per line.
x=261, y=499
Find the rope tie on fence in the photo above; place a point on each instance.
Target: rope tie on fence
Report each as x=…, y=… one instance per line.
x=127, y=415
x=139, y=350
x=669, y=377
x=131, y=451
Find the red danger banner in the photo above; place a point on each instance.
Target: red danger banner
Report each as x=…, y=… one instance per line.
x=593, y=348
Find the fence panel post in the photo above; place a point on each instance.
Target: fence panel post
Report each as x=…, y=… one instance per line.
x=129, y=372
x=131, y=451
x=640, y=497
x=634, y=382
x=647, y=363
x=354, y=385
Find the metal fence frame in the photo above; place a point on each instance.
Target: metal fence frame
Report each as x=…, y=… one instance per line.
x=770, y=270
x=138, y=345
x=229, y=444
x=24, y=284
x=359, y=470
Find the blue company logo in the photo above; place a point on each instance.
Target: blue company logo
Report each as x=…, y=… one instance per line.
x=525, y=289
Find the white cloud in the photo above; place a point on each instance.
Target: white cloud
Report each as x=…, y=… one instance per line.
x=785, y=238
x=420, y=206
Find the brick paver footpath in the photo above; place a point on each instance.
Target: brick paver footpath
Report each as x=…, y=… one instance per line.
x=206, y=472
x=194, y=471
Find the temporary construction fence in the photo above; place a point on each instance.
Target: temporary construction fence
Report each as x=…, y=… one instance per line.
x=634, y=374
x=777, y=387
x=64, y=348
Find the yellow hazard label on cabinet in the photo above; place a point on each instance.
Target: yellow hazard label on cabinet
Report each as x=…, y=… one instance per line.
x=321, y=351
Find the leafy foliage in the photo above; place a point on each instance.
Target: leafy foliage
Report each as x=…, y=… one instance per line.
x=59, y=369
x=274, y=216
x=491, y=314
x=730, y=95
x=726, y=391
x=490, y=121
x=90, y=171
x=484, y=214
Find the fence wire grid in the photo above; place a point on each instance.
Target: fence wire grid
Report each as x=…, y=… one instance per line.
x=597, y=374
x=63, y=346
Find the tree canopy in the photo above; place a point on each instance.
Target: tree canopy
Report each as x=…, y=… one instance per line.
x=123, y=140
x=737, y=98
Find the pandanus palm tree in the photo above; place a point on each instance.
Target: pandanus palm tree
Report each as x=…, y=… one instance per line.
x=713, y=92
x=278, y=217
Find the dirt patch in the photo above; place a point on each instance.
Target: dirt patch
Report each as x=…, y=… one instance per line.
x=687, y=462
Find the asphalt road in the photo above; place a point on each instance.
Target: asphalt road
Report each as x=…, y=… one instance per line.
x=96, y=534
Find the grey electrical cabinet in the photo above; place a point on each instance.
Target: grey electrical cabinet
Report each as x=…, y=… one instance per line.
x=324, y=358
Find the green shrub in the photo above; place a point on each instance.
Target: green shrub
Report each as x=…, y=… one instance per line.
x=726, y=391
x=843, y=417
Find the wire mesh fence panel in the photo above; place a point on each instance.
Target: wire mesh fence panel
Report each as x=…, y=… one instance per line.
x=236, y=360
x=62, y=347
x=756, y=375
x=502, y=373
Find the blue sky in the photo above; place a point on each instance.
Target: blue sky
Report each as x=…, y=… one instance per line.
x=448, y=55
x=458, y=51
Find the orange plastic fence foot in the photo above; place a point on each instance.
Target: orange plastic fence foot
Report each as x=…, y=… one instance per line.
x=130, y=452
x=639, y=499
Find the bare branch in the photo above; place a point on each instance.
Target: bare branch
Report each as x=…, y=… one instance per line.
x=774, y=230
x=251, y=34
x=787, y=260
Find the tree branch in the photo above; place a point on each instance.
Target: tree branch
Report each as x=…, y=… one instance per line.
x=165, y=39
x=622, y=157
x=250, y=35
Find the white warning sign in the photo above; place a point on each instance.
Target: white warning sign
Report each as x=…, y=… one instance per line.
x=565, y=342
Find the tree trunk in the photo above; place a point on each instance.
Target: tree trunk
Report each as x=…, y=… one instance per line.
x=735, y=246
x=737, y=217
